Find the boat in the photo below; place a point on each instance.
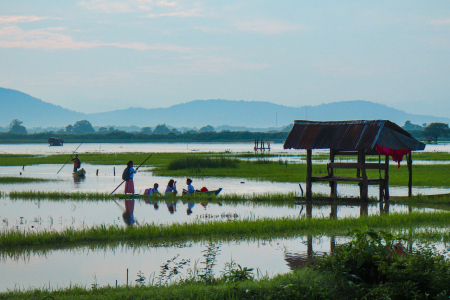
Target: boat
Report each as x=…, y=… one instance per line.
x=54, y=141
x=127, y=196
x=80, y=173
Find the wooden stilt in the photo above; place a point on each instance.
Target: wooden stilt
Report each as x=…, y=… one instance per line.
x=364, y=184
x=308, y=174
x=386, y=179
x=332, y=184
x=410, y=174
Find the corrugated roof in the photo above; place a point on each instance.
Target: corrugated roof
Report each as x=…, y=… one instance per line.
x=350, y=135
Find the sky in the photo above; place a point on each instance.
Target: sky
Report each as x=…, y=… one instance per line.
x=103, y=55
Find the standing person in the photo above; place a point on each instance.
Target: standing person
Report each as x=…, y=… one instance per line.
x=129, y=184
x=171, y=187
x=76, y=162
x=190, y=188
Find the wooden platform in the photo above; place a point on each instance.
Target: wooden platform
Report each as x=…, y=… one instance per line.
x=370, y=181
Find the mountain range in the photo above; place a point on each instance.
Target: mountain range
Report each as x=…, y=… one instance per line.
x=198, y=113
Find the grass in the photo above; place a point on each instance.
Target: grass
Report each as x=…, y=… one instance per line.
x=261, y=228
x=10, y=179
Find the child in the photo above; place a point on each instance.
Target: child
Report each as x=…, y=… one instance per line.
x=153, y=190
x=171, y=187
x=190, y=188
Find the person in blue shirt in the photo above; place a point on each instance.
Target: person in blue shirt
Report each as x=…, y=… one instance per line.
x=190, y=188
x=129, y=184
x=171, y=187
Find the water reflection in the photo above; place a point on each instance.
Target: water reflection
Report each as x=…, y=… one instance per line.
x=40, y=215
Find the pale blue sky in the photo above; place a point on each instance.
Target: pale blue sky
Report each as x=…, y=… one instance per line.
x=101, y=55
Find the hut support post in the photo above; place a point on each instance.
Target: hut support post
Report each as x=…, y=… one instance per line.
x=308, y=174
x=364, y=184
x=410, y=174
x=386, y=179
x=333, y=184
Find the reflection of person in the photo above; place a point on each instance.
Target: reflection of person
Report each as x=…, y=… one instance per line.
x=190, y=206
x=171, y=206
x=76, y=162
x=128, y=214
x=190, y=188
x=129, y=184
x=171, y=187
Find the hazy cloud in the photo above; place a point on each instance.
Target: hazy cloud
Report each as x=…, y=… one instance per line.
x=267, y=27
x=20, y=19
x=440, y=22
x=196, y=12
x=128, y=6
x=52, y=38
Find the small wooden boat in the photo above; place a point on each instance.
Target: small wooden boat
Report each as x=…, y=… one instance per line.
x=80, y=173
x=215, y=192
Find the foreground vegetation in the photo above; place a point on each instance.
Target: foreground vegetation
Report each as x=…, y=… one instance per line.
x=261, y=228
x=374, y=265
x=11, y=179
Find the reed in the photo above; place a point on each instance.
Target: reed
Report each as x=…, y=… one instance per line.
x=196, y=162
x=13, y=179
x=261, y=228
x=57, y=195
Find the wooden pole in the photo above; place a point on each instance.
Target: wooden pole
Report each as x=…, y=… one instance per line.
x=364, y=184
x=410, y=174
x=332, y=184
x=69, y=158
x=386, y=179
x=308, y=174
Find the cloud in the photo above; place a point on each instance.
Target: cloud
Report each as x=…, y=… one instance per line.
x=20, y=19
x=267, y=27
x=440, y=22
x=52, y=38
x=196, y=12
x=128, y=6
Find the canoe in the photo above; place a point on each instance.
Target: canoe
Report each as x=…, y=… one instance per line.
x=80, y=173
x=215, y=192
x=127, y=196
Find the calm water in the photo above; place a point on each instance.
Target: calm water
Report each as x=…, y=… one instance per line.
x=160, y=147
x=44, y=215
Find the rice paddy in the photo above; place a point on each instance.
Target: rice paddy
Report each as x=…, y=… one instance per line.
x=420, y=226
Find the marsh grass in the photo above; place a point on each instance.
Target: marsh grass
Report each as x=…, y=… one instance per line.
x=57, y=195
x=7, y=180
x=196, y=162
x=260, y=228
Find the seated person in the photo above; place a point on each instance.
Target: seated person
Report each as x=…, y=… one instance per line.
x=190, y=188
x=171, y=187
x=153, y=190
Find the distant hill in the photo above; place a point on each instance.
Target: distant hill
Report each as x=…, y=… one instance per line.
x=32, y=111
x=236, y=114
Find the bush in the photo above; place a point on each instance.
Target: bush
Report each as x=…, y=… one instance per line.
x=192, y=162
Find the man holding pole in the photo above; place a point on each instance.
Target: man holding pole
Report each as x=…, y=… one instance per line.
x=76, y=163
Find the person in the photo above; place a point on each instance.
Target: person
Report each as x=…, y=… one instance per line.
x=153, y=190
x=190, y=188
x=129, y=184
x=76, y=162
x=171, y=187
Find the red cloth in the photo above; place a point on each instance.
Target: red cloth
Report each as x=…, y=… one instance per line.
x=129, y=186
x=397, y=155
x=203, y=189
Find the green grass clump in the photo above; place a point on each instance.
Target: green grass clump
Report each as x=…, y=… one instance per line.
x=23, y=179
x=195, y=162
x=261, y=228
x=56, y=195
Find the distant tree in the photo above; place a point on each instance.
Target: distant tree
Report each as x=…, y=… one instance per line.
x=69, y=128
x=176, y=131
x=161, y=129
x=16, y=127
x=146, y=130
x=102, y=130
x=410, y=126
x=435, y=130
x=82, y=127
x=287, y=128
x=207, y=128
x=111, y=129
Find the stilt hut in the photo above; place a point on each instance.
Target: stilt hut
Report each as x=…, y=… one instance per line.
x=354, y=138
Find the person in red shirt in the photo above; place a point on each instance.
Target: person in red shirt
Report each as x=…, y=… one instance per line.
x=76, y=163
